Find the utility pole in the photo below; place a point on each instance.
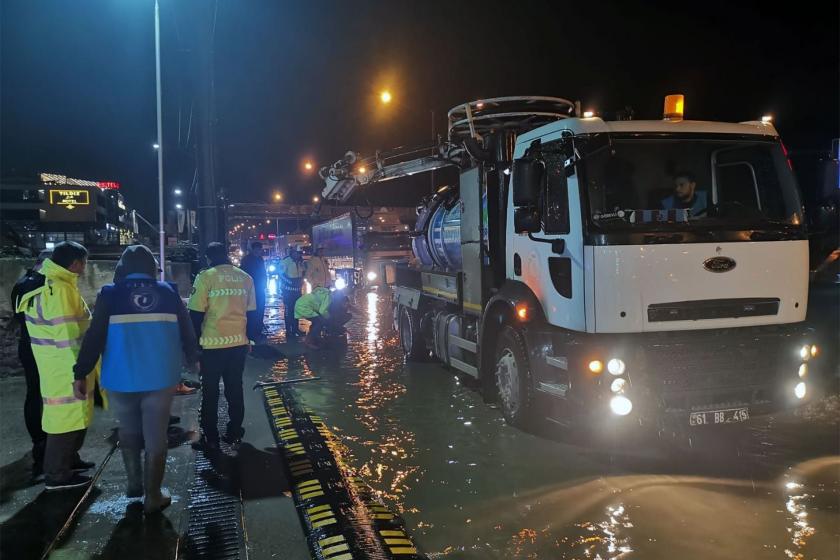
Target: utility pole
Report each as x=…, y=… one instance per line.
x=208, y=212
x=161, y=217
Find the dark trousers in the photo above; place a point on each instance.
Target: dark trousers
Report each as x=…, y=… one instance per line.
x=61, y=453
x=144, y=418
x=289, y=300
x=260, y=297
x=33, y=406
x=225, y=364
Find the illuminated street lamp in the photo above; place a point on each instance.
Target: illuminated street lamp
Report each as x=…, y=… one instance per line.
x=177, y=192
x=156, y=146
x=315, y=199
x=308, y=165
x=385, y=97
x=179, y=206
x=278, y=197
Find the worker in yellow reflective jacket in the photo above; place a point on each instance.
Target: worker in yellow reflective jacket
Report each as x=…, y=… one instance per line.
x=56, y=319
x=223, y=309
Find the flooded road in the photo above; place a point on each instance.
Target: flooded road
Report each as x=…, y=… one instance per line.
x=469, y=486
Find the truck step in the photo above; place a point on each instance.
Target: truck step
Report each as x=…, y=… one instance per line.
x=555, y=389
x=463, y=343
x=557, y=361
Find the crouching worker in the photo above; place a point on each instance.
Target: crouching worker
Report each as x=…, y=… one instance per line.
x=324, y=310
x=140, y=327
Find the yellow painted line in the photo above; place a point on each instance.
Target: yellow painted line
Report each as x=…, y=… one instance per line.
x=325, y=514
x=316, y=509
x=298, y=463
x=383, y=516
x=391, y=533
x=312, y=495
x=405, y=550
x=310, y=482
x=304, y=472
x=347, y=556
x=335, y=549
x=331, y=540
x=437, y=292
x=324, y=523
x=398, y=541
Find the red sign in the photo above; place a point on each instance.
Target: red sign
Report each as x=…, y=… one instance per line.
x=272, y=236
x=262, y=237
x=108, y=185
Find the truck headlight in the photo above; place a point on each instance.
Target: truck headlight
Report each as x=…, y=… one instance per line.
x=799, y=390
x=616, y=366
x=803, y=370
x=271, y=268
x=340, y=283
x=371, y=276
x=621, y=405
x=618, y=385
x=805, y=352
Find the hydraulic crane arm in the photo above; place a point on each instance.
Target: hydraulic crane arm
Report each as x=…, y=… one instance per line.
x=352, y=171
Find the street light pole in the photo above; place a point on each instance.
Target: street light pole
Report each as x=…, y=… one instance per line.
x=162, y=229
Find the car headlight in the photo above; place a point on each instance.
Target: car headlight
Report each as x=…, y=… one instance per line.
x=616, y=366
x=805, y=352
x=371, y=276
x=799, y=390
x=618, y=385
x=271, y=268
x=340, y=283
x=803, y=370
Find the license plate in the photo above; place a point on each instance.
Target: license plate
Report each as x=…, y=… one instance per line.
x=711, y=417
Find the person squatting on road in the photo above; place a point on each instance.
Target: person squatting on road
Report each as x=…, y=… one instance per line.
x=33, y=408
x=140, y=328
x=325, y=310
x=223, y=311
x=57, y=318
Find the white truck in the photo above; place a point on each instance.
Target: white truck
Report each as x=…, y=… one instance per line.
x=606, y=273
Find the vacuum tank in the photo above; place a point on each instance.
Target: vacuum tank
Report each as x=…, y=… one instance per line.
x=437, y=233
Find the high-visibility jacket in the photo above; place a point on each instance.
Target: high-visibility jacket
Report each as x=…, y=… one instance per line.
x=224, y=294
x=311, y=305
x=318, y=272
x=57, y=318
x=291, y=275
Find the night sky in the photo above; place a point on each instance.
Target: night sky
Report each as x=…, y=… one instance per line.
x=298, y=80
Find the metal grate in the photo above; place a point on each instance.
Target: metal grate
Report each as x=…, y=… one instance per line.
x=215, y=509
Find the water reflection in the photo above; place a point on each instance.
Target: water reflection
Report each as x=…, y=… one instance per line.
x=800, y=531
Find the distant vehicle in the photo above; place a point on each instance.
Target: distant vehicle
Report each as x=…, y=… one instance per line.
x=565, y=276
x=357, y=254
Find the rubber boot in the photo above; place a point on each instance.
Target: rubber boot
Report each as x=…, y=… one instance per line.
x=156, y=500
x=133, y=471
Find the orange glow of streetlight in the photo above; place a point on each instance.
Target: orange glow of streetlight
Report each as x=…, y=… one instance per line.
x=308, y=166
x=385, y=97
x=315, y=199
x=278, y=197
x=362, y=169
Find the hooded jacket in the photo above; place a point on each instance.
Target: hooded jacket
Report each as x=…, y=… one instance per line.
x=140, y=328
x=57, y=318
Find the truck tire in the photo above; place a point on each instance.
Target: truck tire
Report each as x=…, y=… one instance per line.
x=411, y=339
x=513, y=379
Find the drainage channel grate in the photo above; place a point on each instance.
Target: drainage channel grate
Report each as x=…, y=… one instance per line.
x=215, y=509
x=340, y=515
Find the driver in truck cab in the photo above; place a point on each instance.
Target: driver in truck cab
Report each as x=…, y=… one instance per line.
x=686, y=195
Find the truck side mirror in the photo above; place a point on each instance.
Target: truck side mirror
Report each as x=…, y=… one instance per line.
x=528, y=181
x=527, y=219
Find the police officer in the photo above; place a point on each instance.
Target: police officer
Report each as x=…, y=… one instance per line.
x=57, y=318
x=254, y=265
x=291, y=274
x=223, y=311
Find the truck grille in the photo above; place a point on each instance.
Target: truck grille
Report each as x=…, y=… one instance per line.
x=718, y=371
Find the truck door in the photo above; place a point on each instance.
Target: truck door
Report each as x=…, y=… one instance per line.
x=553, y=271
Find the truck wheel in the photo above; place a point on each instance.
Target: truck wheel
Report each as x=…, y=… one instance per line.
x=513, y=379
x=411, y=339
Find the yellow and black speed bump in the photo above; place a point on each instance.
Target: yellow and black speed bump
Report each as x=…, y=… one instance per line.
x=340, y=515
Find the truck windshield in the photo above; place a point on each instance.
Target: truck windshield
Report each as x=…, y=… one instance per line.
x=661, y=183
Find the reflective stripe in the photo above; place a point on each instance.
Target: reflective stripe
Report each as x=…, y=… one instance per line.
x=40, y=320
x=61, y=400
x=144, y=318
x=57, y=343
x=227, y=292
x=220, y=340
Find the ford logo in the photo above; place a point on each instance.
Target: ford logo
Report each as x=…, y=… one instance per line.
x=719, y=264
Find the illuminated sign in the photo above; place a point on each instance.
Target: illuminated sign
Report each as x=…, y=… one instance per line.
x=54, y=179
x=69, y=198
